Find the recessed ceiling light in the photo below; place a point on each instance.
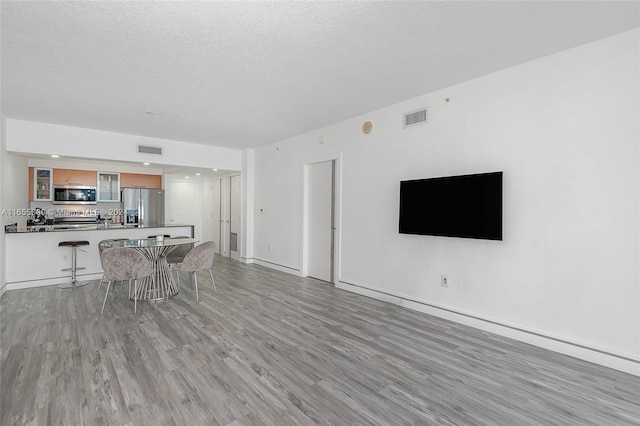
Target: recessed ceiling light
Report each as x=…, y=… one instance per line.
x=186, y=177
x=197, y=174
x=215, y=170
x=146, y=164
x=55, y=156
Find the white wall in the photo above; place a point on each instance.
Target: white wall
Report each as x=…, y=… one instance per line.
x=41, y=138
x=15, y=183
x=14, y=187
x=564, y=129
x=3, y=221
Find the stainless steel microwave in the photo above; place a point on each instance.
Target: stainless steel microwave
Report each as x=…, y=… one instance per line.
x=70, y=194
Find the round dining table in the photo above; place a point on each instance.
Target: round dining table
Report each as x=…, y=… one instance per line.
x=161, y=285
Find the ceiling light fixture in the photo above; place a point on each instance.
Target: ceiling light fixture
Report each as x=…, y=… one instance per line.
x=55, y=156
x=186, y=177
x=146, y=164
x=215, y=170
x=197, y=174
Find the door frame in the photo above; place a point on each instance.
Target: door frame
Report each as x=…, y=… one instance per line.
x=337, y=218
x=217, y=202
x=231, y=221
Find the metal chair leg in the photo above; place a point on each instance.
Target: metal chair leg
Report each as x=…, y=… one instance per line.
x=135, y=296
x=213, y=282
x=195, y=280
x=105, y=297
x=100, y=285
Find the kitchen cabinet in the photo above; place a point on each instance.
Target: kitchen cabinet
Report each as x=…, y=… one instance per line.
x=135, y=180
x=74, y=177
x=108, y=184
x=108, y=187
x=41, y=186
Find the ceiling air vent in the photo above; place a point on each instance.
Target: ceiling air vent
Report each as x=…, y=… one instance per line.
x=148, y=149
x=414, y=118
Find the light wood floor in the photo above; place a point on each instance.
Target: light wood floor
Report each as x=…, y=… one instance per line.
x=273, y=349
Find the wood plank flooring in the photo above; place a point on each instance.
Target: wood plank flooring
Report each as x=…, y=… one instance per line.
x=274, y=349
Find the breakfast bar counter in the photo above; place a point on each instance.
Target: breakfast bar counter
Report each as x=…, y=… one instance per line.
x=34, y=259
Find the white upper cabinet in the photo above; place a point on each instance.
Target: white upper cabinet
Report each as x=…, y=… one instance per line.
x=108, y=187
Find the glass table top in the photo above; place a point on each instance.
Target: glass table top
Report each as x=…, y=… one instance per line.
x=153, y=242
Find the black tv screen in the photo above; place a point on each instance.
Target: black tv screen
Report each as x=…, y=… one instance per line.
x=466, y=206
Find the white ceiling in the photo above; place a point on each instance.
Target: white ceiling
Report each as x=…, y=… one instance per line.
x=245, y=74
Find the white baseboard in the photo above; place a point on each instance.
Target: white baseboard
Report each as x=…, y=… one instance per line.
x=50, y=281
x=605, y=357
x=282, y=268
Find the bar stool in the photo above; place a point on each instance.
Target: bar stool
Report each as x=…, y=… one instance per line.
x=74, y=250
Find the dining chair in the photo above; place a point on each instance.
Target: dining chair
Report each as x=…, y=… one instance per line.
x=123, y=263
x=199, y=258
x=105, y=244
x=178, y=254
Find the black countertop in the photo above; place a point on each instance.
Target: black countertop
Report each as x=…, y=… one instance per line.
x=14, y=229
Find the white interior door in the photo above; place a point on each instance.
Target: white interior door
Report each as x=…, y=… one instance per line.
x=216, y=216
x=185, y=205
x=225, y=214
x=235, y=225
x=320, y=220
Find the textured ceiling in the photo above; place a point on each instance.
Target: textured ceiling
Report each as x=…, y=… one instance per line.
x=244, y=74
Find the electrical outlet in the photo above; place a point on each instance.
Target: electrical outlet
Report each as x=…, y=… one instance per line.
x=64, y=257
x=444, y=281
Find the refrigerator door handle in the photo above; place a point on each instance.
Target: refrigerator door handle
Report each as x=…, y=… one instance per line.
x=142, y=213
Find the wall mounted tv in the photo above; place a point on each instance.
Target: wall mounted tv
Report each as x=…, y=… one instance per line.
x=466, y=206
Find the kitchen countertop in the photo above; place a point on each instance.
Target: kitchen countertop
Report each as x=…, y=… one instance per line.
x=35, y=259
x=81, y=227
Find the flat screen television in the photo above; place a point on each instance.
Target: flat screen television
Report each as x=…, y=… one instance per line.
x=466, y=206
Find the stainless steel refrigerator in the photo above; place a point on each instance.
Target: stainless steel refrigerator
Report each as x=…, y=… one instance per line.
x=143, y=206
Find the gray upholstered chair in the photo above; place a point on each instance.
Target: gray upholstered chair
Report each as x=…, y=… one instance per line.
x=121, y=263
x=199, y=258
x=105, y=244
x=178, y=254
